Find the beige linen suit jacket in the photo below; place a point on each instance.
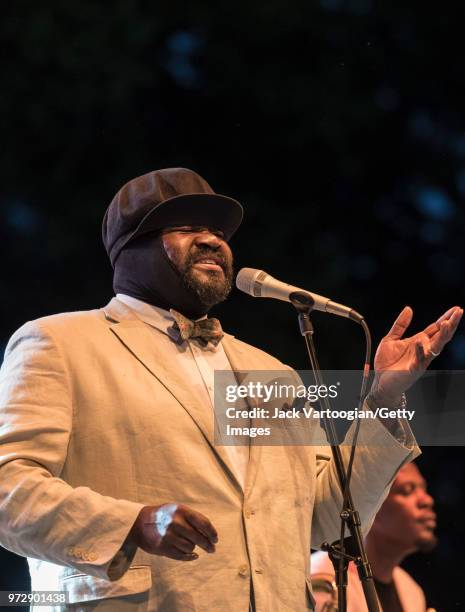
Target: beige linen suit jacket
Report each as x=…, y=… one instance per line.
x=95, y=424
x=410, y=593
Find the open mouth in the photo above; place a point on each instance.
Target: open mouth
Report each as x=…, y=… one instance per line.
x=209, y=263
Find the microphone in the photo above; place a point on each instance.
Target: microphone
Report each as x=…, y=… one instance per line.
x=258, y=283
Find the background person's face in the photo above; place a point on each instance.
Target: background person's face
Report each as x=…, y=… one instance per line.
x=407, y=516
x=203, y=259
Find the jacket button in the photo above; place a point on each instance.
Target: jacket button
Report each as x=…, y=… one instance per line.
x=249, y=513
x=71, y=551
x=243, y=570
x=91, y=556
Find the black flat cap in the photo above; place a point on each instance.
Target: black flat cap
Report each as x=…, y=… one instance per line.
x=163, y=198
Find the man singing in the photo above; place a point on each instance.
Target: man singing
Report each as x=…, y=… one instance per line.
x=110, y=481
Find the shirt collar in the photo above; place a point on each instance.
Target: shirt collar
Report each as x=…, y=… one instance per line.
x=155, y=316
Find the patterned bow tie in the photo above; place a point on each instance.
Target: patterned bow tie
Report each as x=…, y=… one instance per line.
x=205, y=330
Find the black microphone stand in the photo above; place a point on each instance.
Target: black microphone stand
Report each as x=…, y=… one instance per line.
x=349, y=515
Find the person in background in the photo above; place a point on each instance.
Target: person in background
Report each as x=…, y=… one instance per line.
x=404, y=525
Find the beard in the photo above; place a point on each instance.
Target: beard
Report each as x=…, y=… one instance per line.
x=217, y=286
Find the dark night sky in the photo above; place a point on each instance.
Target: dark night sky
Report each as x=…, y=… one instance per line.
x=339, y=124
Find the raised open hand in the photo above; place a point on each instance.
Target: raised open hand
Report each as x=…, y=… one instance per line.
x=400, y=361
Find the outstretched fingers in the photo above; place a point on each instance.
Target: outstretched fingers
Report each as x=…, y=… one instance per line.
x=447, y=327
x=453, y=315
x=449, y=314
x=400, y=324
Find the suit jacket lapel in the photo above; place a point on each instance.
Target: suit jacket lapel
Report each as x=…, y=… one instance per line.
x=137, y=337
x=240, y=360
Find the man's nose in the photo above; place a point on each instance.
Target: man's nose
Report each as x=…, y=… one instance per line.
x=206, y=237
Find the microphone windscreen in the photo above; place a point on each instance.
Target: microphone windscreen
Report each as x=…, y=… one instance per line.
x=246, y=280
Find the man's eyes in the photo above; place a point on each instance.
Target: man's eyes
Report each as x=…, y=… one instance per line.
x=196, y=230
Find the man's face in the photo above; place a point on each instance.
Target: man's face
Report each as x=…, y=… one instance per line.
x=204, y=260
x=407, y=517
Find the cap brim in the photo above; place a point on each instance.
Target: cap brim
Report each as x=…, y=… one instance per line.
x=209, y=210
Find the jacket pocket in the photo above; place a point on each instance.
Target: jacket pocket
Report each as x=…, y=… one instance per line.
x=82, y=587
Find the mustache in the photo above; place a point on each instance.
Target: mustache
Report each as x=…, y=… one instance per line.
x=201, y=253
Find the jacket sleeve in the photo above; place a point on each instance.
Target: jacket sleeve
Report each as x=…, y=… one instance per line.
x=41, y=515
x=378, y=457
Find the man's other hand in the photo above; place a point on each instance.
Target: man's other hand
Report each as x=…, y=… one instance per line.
x=173, y=530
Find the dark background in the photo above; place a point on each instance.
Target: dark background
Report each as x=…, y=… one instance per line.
x=339, y=124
